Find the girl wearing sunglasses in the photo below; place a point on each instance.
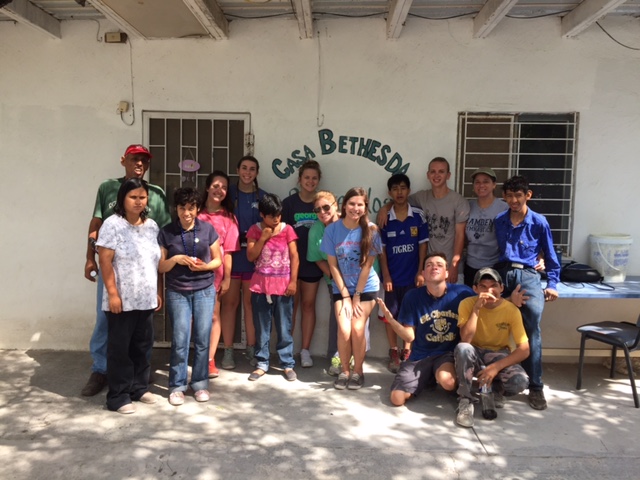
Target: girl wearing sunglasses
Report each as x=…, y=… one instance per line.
x=326, y=208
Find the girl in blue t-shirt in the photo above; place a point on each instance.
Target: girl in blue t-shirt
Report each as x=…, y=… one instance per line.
x=352, y=244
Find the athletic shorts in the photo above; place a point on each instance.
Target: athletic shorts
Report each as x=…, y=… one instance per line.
x=413, y=377
x=244, y=276
x=364, y=297
x=393, y=300
x=310, y=279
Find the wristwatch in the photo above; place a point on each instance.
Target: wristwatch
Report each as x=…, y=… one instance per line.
x=357, y=293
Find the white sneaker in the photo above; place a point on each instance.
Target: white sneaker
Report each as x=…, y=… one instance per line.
x=465, y=413
x=305, y=358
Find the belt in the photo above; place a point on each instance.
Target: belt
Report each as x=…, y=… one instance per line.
x=510, y=265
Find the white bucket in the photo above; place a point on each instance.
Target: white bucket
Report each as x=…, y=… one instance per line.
x=610, y=255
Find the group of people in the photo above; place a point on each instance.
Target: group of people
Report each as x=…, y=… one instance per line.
x=235, y=241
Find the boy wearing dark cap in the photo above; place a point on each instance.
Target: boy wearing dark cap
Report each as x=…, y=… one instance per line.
x=486, y=323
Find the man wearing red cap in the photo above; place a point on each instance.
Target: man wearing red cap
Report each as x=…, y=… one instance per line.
x=135, y=161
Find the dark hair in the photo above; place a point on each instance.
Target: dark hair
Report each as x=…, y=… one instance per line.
x=250, y=158
x=442, y=160
x=516, y=183
x=270, y=204
x=186, y=196
x=397, y=179
x=436, y=254
x=226, y=203
x=126, y=187
x=310, y=165
x=367, y=230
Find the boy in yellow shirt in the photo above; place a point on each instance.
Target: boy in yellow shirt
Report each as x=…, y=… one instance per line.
x=486, y=324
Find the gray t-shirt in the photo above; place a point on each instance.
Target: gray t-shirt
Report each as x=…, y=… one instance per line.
x=482, y=247
x=442, y=215
x=135, y=262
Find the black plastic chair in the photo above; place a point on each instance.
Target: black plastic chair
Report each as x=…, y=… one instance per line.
x=624, y=335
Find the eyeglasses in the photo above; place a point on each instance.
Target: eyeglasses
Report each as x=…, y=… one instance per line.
x=323, y=208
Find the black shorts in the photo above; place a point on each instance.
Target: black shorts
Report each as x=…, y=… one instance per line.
x=364, y=297
x=413, y=377
x=310, y=279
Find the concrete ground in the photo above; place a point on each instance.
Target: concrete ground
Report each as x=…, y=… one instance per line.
x=272, y=429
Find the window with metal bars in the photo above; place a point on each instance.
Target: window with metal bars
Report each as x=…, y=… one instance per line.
x=186, y=148
x=538, y=146
x=216, y=141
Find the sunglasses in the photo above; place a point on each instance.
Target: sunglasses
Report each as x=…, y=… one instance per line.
x=324, y=208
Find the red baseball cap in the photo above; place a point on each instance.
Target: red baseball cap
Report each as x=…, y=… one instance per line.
x=136, y=149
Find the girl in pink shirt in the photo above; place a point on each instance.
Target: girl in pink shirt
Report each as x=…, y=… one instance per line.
x=271, y=244
x=217, y=209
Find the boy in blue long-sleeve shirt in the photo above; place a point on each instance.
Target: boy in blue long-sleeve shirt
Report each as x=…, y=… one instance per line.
x=522, y=234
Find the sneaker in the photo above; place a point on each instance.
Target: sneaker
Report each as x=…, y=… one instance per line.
x=336, y=367
x=290, y=374
x=148, y=398
x=356, y=382
x=465, y=413
x=228, y=363
x=537, y=400
x=256, y=375
x=251, y=355
x=127, y=409
x=305, y=358
x=498, y=399
x=341, y=381
x=201, y=396
x=394, y=360
x=176, y=398
x=404, y=355
x=95, y=384
x=213, y=370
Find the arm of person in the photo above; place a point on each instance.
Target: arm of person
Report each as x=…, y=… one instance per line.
x=408, y=334
x=458, y=247
x=422, y=255
x=216, y=259
x=295, y=265
x=468, y=328
x=381, y=218
x=254, y=247
x=160, y=292
x=226, y=280
x=91, y=265
x=346, y=308
x=105, y=256
x=362, y=282
x=167, y=264
x=386, y=275
x=520, y=353
x=324, y=266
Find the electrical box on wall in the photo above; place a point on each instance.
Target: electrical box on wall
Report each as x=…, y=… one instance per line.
x=115, y=37
x=123, y=107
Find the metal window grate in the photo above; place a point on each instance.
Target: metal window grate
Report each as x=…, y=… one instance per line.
x=216, y=141
x=539, y=146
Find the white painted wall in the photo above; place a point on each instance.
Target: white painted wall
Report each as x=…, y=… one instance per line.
x=60, y=136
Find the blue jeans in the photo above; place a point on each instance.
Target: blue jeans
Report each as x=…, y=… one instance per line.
x=529, y=280
x=281, y=309
x=98, y=342
x=182, y=307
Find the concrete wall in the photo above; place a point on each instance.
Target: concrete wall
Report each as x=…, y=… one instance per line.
x=60, y=135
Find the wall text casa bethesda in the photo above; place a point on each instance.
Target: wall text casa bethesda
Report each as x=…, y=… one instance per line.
x=367, y=148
